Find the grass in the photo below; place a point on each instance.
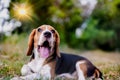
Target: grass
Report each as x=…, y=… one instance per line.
x=12, y=57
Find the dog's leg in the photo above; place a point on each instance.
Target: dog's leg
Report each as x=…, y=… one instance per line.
x=33, y=76
x=79, y=70
x=26, y=70
x=66, y=75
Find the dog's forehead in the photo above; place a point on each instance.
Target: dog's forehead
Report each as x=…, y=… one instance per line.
x=46, y=27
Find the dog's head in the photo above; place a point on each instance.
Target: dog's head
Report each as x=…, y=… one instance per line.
x=46, y=40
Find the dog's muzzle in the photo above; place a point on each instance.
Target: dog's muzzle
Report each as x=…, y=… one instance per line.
x=44, y=49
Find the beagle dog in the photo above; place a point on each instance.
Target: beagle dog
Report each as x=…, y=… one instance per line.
x=47, y=63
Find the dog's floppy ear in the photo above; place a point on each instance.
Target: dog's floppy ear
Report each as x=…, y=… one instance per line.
x=31, y=42
x=57, y=44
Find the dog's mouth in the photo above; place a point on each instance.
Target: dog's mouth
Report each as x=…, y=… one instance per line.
x=44, y=49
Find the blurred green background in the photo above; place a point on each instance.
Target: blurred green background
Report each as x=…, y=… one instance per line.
x=90, y=28
x=102, y=29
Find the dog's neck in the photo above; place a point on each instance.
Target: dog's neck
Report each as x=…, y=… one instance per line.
x=52, y=58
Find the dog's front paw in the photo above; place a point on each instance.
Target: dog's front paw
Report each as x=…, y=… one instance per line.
x=16, y=78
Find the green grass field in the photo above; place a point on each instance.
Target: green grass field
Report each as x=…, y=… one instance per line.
x=12, y=57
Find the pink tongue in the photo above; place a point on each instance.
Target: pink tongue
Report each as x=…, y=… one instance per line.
x=44, y=52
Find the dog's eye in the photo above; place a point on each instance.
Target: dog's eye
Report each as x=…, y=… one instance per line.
x=53, y=31
x=39, y=30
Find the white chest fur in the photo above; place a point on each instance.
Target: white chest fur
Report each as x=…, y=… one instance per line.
x=36, y=66
x=45, y=71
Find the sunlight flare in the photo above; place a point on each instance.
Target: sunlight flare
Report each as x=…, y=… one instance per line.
x=22, y=11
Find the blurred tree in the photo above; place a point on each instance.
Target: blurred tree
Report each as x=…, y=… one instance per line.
x=107, y=13
x=64, y=15
x=102, y=27
x=69, y=19
x=94, y=37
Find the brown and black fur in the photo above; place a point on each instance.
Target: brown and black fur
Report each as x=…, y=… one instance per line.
x=66, y=64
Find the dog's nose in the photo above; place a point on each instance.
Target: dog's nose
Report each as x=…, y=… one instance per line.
x=47, y=34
